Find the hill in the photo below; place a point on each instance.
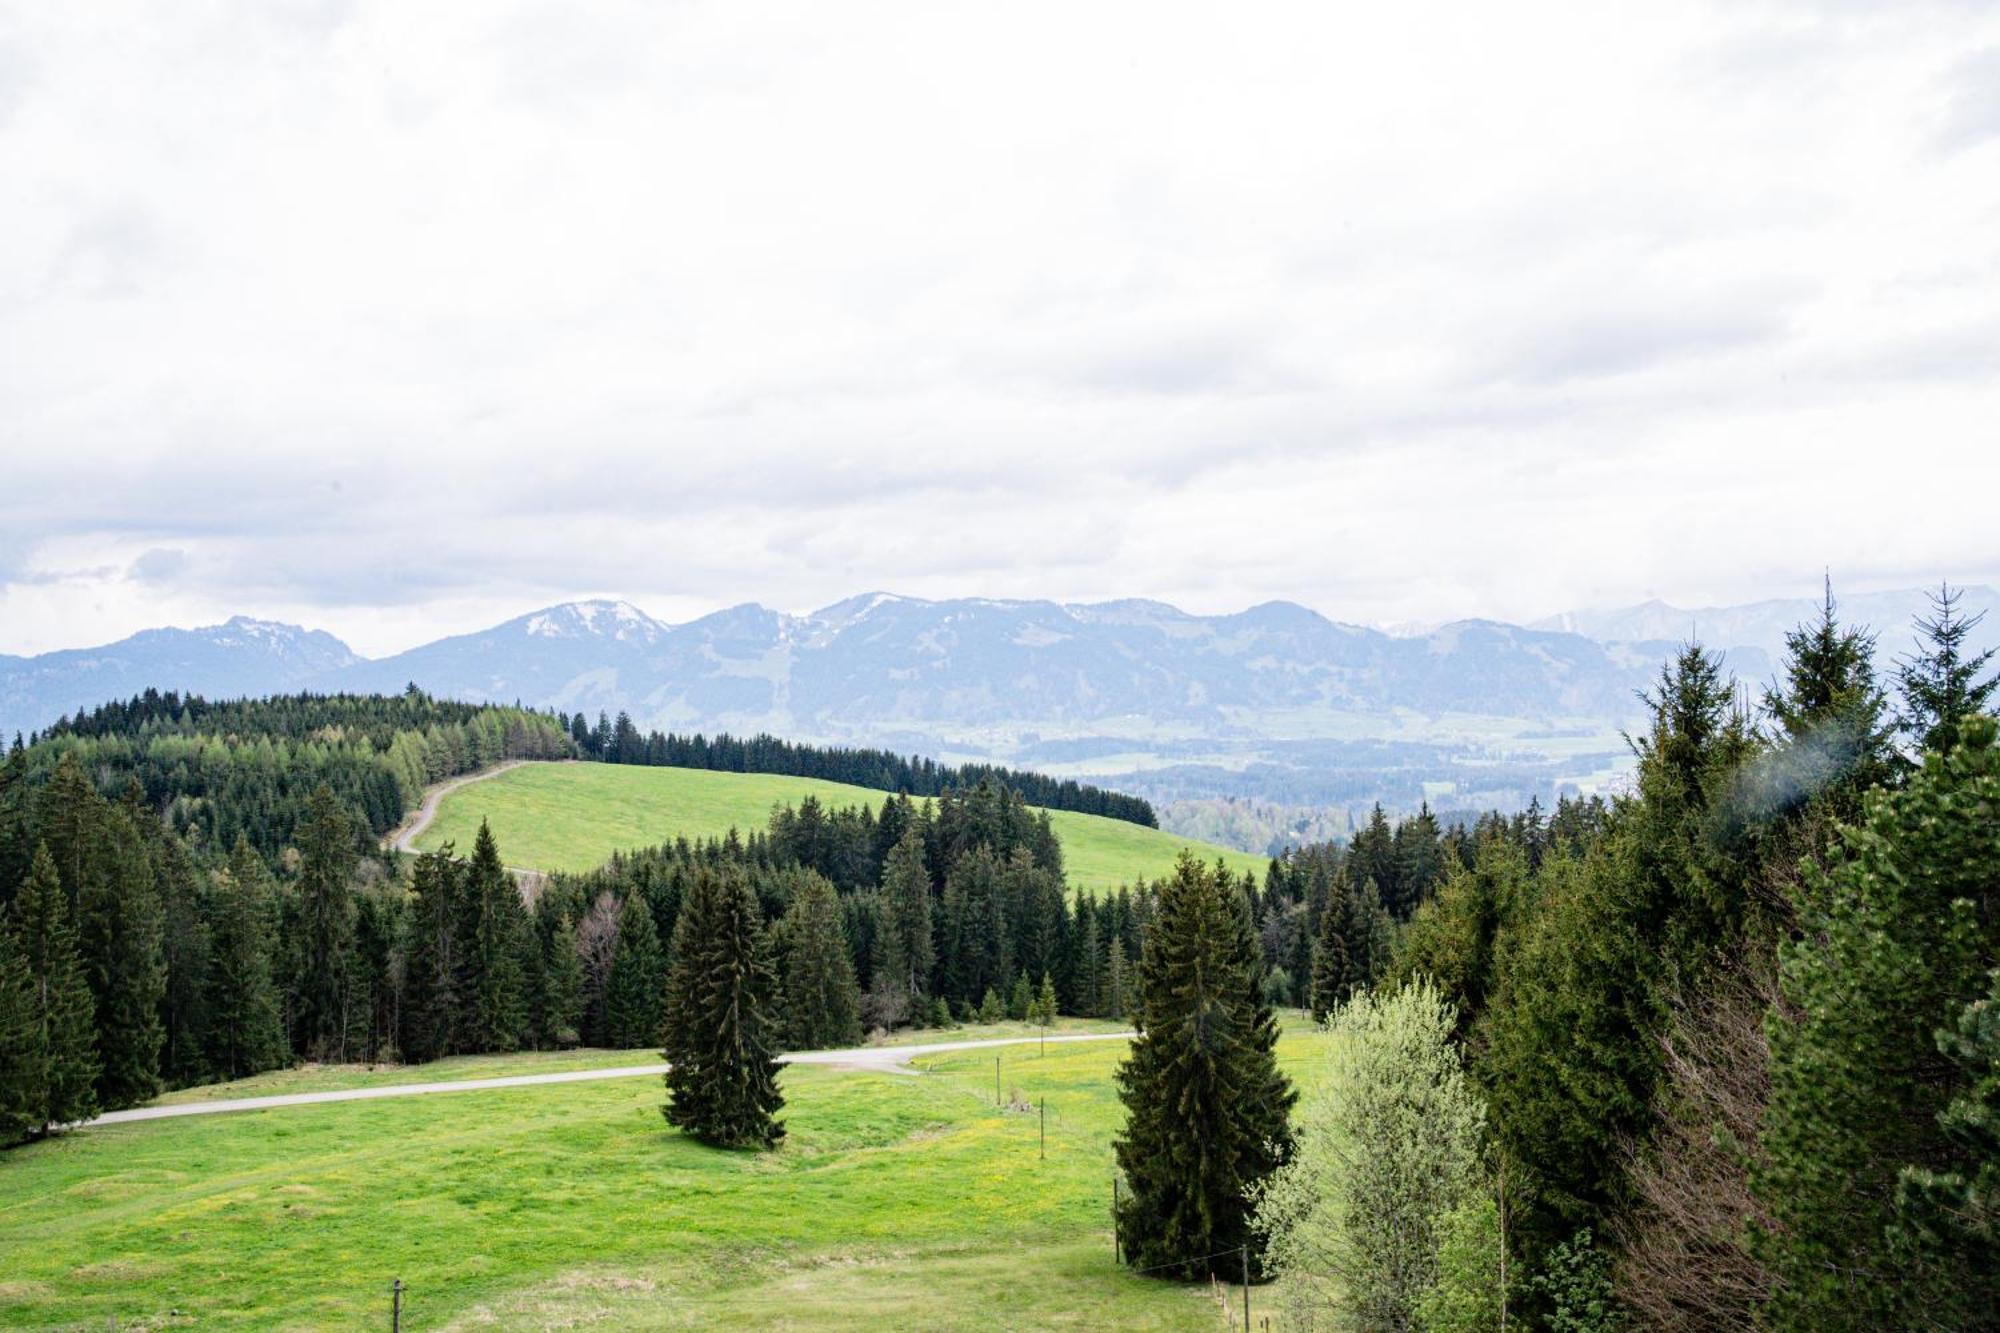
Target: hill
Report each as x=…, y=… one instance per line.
x=894, y=1202
x=574, y=816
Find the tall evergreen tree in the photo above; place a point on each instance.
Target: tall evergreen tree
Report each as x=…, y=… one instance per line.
x=431, y=966
x=1205, y=1100
x=722, y=1080
x=562, y=986
x=634, y=988
x=1901, y=931
x=496, y=1003
x=1331, y=975
x=907, y=952
x=118, y=919
x=60, y=1057
x=1940, y=684
x=24, y=1045
x=821, y=1000
x=1830, y=717
x=326, y=926
x=246, y=1032
x=186, y=952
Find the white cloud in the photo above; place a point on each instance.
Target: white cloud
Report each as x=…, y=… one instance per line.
x=396, y=318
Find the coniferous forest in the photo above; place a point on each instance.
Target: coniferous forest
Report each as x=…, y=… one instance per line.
x=1718, y=1052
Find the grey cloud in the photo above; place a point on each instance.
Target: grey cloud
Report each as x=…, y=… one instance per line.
x=1595, y=344
x=161, y=564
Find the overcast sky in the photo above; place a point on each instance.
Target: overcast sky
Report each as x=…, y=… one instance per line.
x=399, y=319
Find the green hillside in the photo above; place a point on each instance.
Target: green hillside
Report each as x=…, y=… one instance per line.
x=574, y=816
x=893, y=1203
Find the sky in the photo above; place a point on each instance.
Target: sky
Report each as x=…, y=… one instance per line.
x=398, y=320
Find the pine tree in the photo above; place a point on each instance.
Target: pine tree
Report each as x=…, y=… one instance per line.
x=1940, y=684
x=722, y=1084
x=907, y=953
x=1830, y=717
x=24, y=1046
x=1088, y=993
x=186, y=949
x=1201, y=1085
x=497, y=1005
x=118, y=920
x=1331, y=978
x=562, y=1004
x=1044, y=1011
x=431, y=1005
x=1117, y=981
x=246, y=1033
x=61, y=1054
x=633, y=989
x=326, y=925
x=1895, y=946
x=1020, y=999
x=822, y=1001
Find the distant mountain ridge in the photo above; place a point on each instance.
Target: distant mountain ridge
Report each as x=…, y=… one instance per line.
x=1276, y=701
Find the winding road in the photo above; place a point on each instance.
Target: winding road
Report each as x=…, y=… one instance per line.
x=403, y=837
x=881, y=1059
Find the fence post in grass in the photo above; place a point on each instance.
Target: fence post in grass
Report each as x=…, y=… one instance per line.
x=1117, y=1251
x=1245, y=1252
x=1045, y=1129
x=996, y=1080
x=396, y=1306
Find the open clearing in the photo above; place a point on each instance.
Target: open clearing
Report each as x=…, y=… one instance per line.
x=574, y=816
x=894, y=1202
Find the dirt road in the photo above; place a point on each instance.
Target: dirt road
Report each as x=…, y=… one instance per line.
x=403, y=837
x=881, y=1059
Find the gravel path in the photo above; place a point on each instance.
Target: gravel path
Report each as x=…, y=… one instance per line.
x=403, y=838
x=882, y=1059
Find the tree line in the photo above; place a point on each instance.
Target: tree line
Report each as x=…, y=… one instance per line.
x=1722, y=1053
x=619, y=741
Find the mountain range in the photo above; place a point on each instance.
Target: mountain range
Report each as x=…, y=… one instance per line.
x=1276, y=702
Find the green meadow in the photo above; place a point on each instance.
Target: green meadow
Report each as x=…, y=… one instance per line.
x=894, y=1201
x=574, y=816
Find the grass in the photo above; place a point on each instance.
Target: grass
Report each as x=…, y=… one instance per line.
x=893, y=1202
x=574, y=816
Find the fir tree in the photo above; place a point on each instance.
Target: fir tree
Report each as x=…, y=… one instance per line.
x=326, y=925
x=1088, y=991
x=1896, y=944
x=1330, y=970
x=497, y=1004
x=907, y=952
x=991, y=1008
x=1206, y=1103
x=822, y=1001
x=633, y=989
x=562, y=1004
x=246, y=1033
x=1044, y=1011
x=60, y=1053
x=118, y=919
x=1117, y=982
x=1021, y=999
x=722, y=1084
x=24, y=1048
x=431, y=1007
x=1940, y=684
x=1830, y=717
x=186, y=952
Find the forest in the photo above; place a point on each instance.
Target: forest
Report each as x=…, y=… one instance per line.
x=1721, y=1052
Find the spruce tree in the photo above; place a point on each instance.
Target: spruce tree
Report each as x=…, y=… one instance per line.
x=1899, y=939
x=1044, y=1011
x=562, y=980
x=1330, y=975
x=1020, y=999
x=907, y=951
x=431, y=1005
x=24, y=1046
x=497, y=1005
x=633, y=989
x=1206, y=1104
x=118, y=929
x=1088, y=992
x=246, y=1033
x=186, y=953
x=1829, y=716
x=326, y=925
x=1940, y=684
x=61, y=1054
x=722, y=1084
x=821, y=1000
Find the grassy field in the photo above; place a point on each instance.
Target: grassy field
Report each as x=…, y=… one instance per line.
x=894, y=1202
x=573, y=816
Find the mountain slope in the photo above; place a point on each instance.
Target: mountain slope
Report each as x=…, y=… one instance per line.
x=241, y=656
